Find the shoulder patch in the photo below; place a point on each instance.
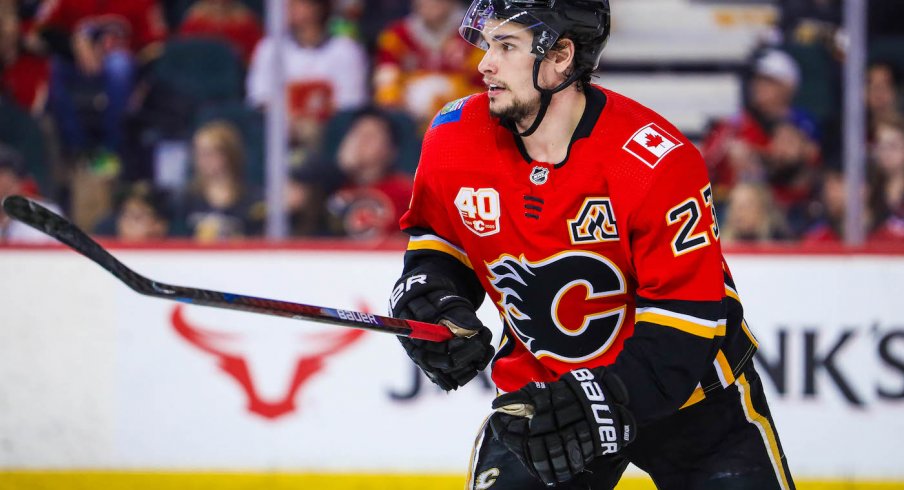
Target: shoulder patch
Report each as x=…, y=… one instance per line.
x=650, y=144
x=450, y=112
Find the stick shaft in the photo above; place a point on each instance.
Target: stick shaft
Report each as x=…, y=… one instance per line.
x=57, y=227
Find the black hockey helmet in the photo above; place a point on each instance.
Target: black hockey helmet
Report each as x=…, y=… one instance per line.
x=586, y=22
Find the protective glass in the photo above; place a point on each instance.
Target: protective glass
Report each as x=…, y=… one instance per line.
x=484, y=22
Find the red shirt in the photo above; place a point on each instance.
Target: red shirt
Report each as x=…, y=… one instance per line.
x=143, y=18
x=26, y=79
x=374, y=210
x=242, y=30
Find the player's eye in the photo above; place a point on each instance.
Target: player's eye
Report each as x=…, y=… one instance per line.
x=507, y=47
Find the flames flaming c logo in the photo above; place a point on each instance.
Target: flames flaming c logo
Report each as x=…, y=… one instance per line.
x=570, y=306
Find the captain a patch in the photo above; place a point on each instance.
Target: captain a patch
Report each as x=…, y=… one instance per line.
x=650, y=144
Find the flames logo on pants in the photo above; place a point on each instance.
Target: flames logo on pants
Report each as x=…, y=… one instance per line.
x=570, y=306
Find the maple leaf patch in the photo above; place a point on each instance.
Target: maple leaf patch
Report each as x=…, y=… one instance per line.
x=654, y=140
x=651, y=144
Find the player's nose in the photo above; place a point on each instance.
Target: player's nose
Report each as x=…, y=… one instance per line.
x=487, y=63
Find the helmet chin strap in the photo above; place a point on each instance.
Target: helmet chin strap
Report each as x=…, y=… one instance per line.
x=545, y=98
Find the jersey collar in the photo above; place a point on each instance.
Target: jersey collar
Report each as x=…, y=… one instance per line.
x=596, y=101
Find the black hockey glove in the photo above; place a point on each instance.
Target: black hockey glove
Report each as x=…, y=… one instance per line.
x=432, y=299
x=557, y=428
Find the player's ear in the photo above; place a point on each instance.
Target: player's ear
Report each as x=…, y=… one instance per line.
x=562, y=55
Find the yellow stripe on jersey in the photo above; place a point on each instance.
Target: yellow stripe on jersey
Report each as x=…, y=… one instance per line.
x=723, y=369
x=749, y=334
x=766, y=430
x=695, y=326
x=697, y=396
x=731, y=293
x=433, y=242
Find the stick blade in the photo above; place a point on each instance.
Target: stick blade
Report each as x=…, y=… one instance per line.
x=32, y=214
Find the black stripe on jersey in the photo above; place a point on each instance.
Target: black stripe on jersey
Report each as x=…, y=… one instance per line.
x=728, y=280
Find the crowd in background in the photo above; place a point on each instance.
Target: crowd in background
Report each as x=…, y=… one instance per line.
x=143, y=119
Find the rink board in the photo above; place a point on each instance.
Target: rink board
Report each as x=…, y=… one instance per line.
x=107, y=388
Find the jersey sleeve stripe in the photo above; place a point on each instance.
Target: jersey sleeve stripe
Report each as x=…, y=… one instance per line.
x=731, y=293
x=697, y=396
x=433, y=242
x=746, y=329
x=696, y=326
x=723, y=369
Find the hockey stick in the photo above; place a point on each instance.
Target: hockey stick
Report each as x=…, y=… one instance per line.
x=54, y=225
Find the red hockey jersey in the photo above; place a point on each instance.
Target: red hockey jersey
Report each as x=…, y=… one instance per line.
x=614, y=250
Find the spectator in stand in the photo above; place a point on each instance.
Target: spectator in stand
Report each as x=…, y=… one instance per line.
x=883, y=100
x=810, y=21
x=422, y=62
x=218, y=205
x=323, y=73
x=14, y=180
x=887, y=189
x=375, y=193
x=97, y=48
x=752, y=216
x=24, y=75
x=829, y=224
x=770, y=141
x=306, y=199
x=372, y=16
x=141, y=214
x=792, y=164
x=229, y=20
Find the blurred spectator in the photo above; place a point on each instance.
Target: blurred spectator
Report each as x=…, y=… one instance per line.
x=218, y=205
x=792, y=163
x=23, y=75
x=752, y=216
x=97, y=47
x=14, y=181
x=375, y=193
x=883, y=100
x=374, y=15
x=422, y=62
x=229, y=20
x=770, y=141
x=829, y=225
x=888, y=181
x=810, y=21
x=306, y=200
x=323, y=73
x=141, y=214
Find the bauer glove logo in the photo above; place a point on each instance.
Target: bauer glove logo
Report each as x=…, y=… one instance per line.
x=602, y=413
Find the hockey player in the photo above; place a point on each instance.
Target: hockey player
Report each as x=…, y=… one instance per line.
x=588, y=220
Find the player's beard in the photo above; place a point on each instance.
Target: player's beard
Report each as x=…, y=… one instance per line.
x=518, y=111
